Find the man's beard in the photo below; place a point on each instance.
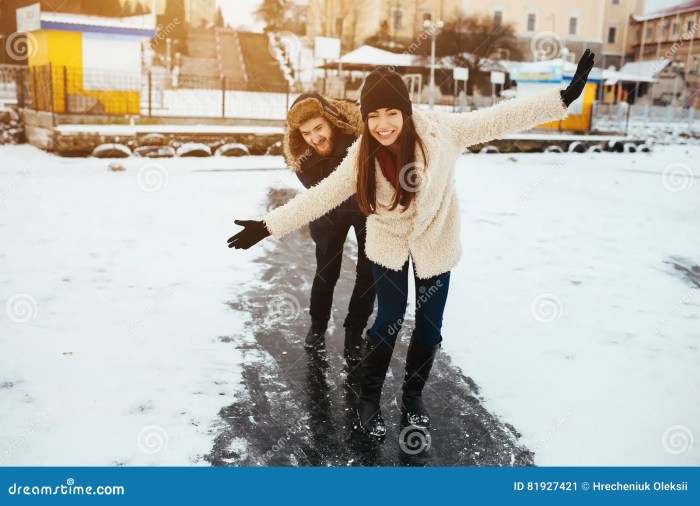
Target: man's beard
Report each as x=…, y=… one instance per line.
x=328, y=147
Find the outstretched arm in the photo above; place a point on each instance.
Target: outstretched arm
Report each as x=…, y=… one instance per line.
x=305, y=207
x=516, y=115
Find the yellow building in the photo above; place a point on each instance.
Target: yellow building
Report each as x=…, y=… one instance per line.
x=84, y=64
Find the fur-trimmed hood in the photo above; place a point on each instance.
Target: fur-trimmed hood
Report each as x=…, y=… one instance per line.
x=343, y=114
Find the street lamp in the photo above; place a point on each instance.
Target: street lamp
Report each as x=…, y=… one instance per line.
x=434, y=29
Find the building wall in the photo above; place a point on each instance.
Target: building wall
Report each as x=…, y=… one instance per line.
x=675, y=36
x=356, y=20
x=617, y=17
x=51, y=84
x=546, y=25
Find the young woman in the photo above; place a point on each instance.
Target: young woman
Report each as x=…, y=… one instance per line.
x=402, y=171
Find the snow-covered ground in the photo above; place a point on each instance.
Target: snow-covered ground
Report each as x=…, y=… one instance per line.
x=564, y=308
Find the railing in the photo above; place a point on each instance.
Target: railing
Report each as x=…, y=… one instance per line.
x=70, y=90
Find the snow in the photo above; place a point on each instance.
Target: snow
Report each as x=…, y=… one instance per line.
x=368, y=55
x=563, y=309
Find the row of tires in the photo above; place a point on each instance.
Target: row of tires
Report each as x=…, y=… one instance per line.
x=580, y=147
x=188, y=149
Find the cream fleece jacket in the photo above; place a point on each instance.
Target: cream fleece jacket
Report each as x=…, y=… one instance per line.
x=429, y=230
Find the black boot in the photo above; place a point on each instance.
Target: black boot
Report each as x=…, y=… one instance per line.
x=353, y=342
x=419, y=362
x=316, y=337
x=375, y=362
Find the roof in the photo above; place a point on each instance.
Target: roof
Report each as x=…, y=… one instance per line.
x=140, y=26
x=372, y=56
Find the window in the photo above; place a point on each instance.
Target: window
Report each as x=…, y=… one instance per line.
x=497, y=19
x=339, y=27
x=612, y=31
x=572, y=25
x=689, y=26
x=531, y=22
x=648, y=34
x=398, y=18
x=616, y=2
x=674, y=28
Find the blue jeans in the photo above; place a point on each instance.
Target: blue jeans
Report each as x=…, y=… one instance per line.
x=392, y=298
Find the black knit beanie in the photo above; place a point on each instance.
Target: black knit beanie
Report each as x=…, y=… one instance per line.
x=384, y=88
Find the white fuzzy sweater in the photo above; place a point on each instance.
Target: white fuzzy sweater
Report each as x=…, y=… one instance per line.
x=429, y=230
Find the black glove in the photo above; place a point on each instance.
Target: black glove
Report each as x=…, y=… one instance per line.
x=573, y=91
x=252, y=233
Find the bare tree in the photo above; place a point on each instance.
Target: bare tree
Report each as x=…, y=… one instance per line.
x=272, y=13
x=470, y=40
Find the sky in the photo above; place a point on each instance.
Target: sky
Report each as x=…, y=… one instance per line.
x=240, y=12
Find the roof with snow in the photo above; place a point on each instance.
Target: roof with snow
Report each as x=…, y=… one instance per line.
x=143, y=26
x=683, y=8
x=644, y=71
x=367, y=57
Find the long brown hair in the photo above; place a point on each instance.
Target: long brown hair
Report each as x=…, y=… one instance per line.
x=405, y=163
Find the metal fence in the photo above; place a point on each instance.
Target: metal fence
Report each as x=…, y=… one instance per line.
x=69, y=90
x=635, y=119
